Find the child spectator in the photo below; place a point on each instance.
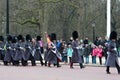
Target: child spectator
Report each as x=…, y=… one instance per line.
x=69, y=52
x=65, y=54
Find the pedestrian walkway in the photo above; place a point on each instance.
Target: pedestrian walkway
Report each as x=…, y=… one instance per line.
x=63, y=73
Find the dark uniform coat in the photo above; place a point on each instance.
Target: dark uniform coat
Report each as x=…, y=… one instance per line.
x=76, y=57
x=37, y=50
x=51, y=58
x=28, y=50
x=20, y=51
x=112, y=54
x=13, y=50
x=46, y=53
x=2, y=52
x=8, y=53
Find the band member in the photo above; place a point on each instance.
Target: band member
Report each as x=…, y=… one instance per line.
x=37, y=51
x=46, y=53
x=28, y=50
x=112, y=59
x=8, y=53
x=20, y=51
x=76, y=56
x=53, y=54
x=2, y=48
x=13, y=49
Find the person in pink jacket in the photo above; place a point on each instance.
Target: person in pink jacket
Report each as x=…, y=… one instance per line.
x=94, y=53
x=100, y=53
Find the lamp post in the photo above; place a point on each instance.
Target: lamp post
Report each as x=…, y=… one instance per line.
x=93, y=26
x=7, y=17
x=3, y=25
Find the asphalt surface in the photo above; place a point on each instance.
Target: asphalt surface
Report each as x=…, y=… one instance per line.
x=63, y=73
x=90, y=72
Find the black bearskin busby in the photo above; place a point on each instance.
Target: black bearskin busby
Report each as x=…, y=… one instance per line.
x=1, y=38
x=38, y=38
x=14, y=39
x=75, y=35
x=20, y=37
x=28, y=37
x=113, y=35
x=53, y=36
x=9, y=38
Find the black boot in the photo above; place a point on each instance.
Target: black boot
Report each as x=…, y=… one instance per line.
x=118, y=67
x=107, y=70
x=17, y=63
x=119, y=70
x=71, y=65
x=49, y=65
x=81, y=66
x=58, y=65
x=33, y=62
x=42, y=63
x=5, y=63
x=45, y=63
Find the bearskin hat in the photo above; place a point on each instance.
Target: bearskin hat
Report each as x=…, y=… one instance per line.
x=75, y=35
x=38, y=38
x=53, y=36
x=20, y=37
x=14, y=39
x=9, y=38
x=1, y=38
x=113, y=35
x=28, y=37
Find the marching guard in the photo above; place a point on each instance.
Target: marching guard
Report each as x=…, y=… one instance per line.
x=8, y=52
x=20, y=51
x=28, y=50
x=37, y=51
x=53, y=55
x=13, y=49
x=76, y=56
x=2, y=51
x=112, y=59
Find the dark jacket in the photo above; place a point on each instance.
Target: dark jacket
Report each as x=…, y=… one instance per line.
x=112, y=54
x=76, y=57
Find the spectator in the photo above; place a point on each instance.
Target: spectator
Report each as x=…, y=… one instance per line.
x=100, y=53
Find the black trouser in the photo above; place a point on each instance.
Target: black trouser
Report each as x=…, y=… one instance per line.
x=45, y=63
x=24, y=62
x=82, y=59
x=32, y=60
x=16, y=62
x=100, y=60
x=71, y=64
x=58, y=65
x=41, y=61
x=81, y=65
x=6, y=62
x=116, y=65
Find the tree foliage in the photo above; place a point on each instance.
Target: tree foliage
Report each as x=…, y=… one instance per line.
x=59, y=16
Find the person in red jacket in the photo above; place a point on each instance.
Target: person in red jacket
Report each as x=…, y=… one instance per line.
x=100, y=53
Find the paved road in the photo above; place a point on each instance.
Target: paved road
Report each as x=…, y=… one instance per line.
x=63, y=73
